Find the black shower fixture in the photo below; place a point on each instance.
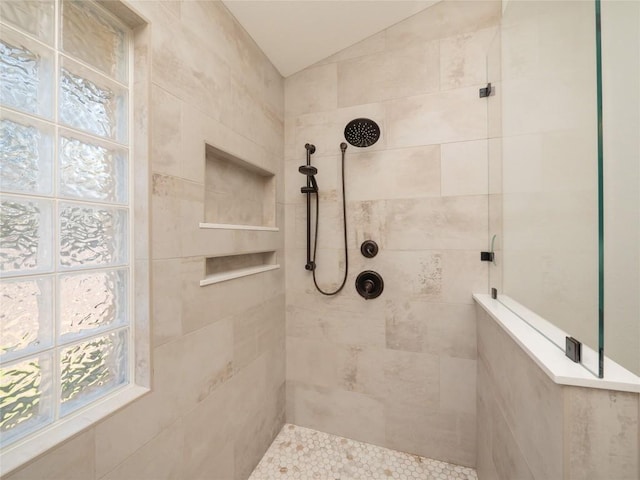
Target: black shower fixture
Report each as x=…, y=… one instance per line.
x=310, y=188
x=310, y=172
x=362, y=132
x=369, y=284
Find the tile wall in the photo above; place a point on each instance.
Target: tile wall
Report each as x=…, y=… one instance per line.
x=532, y=428
x=398, y=371
x=218, y=352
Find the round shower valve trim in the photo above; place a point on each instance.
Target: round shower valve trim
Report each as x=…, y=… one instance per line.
x=369, y=284
x=369, y=248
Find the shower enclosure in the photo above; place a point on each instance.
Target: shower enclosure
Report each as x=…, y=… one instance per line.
x=564, y=162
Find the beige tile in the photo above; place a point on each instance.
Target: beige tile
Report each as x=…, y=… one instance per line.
x=257, y=432
x=484, y=421
x=394, y=74
x=359, y=370
x=458, y=384
x=521, y=398
x=494, y=149
x=447, y=436
x=167, y=306
x=219, y=465
x=451, y=116
x=257, y=330
x=455, y=223
x=349, y=414
x=334, y=326
x=116, y=440
x=443, y=276
x=166, y=128
x=215, y=344
x=411, y=378
x=367, y=220
x=463, y=59
x=314, y=89
x=442, y=20
x=438, y=328
x=390, y=174
x=602, y=436
x=208, y=429
x=303, y=363
x=465, y=168
x=165, y=209
x=72, y=460
x=159, y=459
x=205, y=305
x=508, y=460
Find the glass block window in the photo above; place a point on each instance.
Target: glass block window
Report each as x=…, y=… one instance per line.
x=65, y=211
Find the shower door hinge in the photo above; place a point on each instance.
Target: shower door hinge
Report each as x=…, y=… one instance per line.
x=485, y=92
x=486, y=256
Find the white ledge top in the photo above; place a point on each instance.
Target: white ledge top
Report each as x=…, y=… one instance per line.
x=548, y=356
x=240, y=272
x=228, y=226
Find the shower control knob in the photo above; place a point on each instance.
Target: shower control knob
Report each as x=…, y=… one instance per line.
x=369, y=248
x=369, y=284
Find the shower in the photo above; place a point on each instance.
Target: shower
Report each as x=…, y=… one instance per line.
x=360, y=132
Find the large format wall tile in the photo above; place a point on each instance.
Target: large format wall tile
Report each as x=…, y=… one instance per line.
x=450, y=116
x=393, y=74
x=399, y=370
x=73, y=460
x=532, y=428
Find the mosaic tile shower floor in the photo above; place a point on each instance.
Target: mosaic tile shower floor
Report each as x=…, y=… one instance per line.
x=299, y=453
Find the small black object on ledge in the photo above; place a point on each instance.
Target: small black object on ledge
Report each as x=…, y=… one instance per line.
x=573, y=349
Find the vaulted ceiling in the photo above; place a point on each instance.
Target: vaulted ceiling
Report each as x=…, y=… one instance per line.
x=297, y=33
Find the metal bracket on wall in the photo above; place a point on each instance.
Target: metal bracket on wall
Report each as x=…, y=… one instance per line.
x=487, y=91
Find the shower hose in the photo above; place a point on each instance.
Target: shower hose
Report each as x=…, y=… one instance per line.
x=343, y=148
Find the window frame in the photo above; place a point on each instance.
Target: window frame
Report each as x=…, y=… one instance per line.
x=43, y=439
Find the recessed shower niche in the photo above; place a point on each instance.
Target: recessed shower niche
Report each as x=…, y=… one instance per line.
x=238, y=194
x=221, y=269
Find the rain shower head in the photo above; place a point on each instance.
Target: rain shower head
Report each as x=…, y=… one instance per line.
x=362, y=132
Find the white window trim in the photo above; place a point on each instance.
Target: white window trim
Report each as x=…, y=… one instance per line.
x=40, y=442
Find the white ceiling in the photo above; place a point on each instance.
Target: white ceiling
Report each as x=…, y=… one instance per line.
x=297, y=33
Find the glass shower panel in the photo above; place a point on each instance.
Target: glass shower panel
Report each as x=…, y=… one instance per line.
x=494, y=155
x=544, y=164
x=621, y=124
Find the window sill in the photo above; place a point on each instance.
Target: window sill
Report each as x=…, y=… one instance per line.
x=32, y=446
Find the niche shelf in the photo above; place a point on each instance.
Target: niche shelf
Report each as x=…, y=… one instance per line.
x=238, y=194
x=221, y=269
x=228, y=226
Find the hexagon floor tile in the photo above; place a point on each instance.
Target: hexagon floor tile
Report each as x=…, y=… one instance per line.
x=299, y=453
